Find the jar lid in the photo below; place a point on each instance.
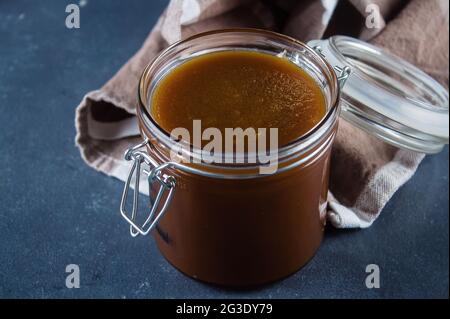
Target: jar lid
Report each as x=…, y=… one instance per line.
x=387, y=96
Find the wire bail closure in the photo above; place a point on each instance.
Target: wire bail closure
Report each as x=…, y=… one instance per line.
x=342, y=72
x=154, y=177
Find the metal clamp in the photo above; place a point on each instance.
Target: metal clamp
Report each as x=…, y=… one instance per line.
x=342, y=72
x=155, y=176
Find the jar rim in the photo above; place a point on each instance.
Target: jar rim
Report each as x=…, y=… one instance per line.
x=299, y=146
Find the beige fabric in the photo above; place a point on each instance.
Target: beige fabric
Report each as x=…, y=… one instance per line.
x=365, y=172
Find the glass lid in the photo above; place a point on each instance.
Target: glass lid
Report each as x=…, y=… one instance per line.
x=388, y=97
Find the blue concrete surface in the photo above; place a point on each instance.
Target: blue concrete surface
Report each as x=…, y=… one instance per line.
x=56, y=211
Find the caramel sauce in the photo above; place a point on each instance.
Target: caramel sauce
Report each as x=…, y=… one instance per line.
x=242, y=232
x=245, y=89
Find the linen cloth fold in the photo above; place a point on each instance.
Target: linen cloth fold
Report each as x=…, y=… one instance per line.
x=365, y=172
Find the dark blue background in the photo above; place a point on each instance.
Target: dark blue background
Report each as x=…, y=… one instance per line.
x=57, y=211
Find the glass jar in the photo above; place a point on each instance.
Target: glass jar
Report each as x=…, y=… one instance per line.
x=225, y=223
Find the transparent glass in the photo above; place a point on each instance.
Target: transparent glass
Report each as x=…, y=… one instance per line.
x=228, y=224
x=389, y=97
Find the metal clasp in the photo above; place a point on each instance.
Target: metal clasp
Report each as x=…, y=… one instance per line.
x=155, y=177
x=342, y=72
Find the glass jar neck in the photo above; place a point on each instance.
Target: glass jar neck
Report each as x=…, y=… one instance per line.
x=301, y=151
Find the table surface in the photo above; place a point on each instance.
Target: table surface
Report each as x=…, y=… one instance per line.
x=57, y=211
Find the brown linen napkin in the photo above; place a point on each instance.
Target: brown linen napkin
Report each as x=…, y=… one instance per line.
x=365, y=172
